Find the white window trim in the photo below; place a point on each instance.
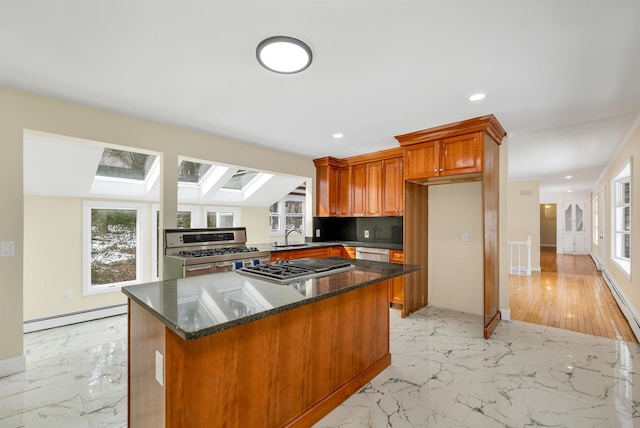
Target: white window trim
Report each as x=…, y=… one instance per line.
x=87, y=206
x=623, y=175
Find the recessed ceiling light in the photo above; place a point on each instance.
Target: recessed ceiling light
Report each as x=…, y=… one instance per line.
x=569, y=191
x=338, y=135
x=568, y=176
x=282, y=54
x=477, y=97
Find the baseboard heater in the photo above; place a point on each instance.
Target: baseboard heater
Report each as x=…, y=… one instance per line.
x=73, y=318
x=628, y=310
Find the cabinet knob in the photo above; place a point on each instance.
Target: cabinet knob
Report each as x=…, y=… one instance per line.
x=435, y=170
x=441, y=169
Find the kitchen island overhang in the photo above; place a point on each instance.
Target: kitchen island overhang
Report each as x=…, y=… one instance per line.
x=238, y=351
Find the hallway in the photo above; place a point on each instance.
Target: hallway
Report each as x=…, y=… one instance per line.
x=569, y=294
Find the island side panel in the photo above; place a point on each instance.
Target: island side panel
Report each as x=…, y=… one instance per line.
x=146, y=396
x=288, y=369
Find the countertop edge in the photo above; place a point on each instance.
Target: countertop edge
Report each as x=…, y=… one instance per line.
x=186, y=335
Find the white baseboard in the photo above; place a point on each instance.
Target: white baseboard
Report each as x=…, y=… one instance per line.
x=630, y=313
x=505, y=314
x=13, y=365
x=73, y=318
x=596, y=260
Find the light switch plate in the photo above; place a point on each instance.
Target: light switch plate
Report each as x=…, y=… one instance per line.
x=159, y=368
x=7, y=248
x=366, y=233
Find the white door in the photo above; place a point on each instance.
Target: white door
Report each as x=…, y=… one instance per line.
x=574, y=233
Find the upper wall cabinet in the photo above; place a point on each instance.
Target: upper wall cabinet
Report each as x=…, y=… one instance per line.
x=326, y=186
x=360, y=186
x=447, y=151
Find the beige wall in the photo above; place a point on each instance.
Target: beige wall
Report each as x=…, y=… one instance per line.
x=629, y=286
x=456, y=279
x=21, y=111
x=524, y=216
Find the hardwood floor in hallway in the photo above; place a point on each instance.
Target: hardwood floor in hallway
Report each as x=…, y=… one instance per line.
x=568, y=293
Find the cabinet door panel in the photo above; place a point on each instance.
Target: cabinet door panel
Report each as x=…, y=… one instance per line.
x=345, y=206
x=421, y=160
x=373, y=188
x=461, y=154
x=358, y=183
x=393, y=187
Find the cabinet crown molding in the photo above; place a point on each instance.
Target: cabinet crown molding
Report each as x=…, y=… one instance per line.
x=488, y=124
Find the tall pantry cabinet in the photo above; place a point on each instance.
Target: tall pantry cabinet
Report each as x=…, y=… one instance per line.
x=457, y=152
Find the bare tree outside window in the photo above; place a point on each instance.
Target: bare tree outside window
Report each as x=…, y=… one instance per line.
x=113, y=246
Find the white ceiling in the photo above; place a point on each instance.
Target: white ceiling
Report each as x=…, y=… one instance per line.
x=561, y=76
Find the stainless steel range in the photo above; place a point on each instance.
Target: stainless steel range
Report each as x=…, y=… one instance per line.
x=285, y=271
x=191, y=252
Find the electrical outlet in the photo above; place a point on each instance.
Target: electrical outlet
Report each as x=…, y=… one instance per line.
x=8, y=249
x=68, y=295
x=317, y=233
x=366, y=233
x=465, y=236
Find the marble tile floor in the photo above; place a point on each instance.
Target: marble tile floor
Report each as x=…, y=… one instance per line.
x=443, y=374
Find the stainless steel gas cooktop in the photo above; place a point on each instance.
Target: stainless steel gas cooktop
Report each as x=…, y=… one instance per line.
x=284, y=271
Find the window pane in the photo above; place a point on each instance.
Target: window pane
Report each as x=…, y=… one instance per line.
x=192, y=172
x=568, y=214
x=579, y=222
x=626, y=252
x=184, y=219
x=295, y=221
x=240, y=179
x=226, y=220
x=293, y=207
x=212, y=219
x=113, y=246
x=274, y=222
x=274, y=208
x=123, y=164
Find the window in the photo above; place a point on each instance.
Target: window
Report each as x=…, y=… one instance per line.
x=192, y=172
x=621, y=194
x=222, y=216
x=274, y=217
x=112, y=245
x=124, y=164
x=240, y=179
x=596, y=223
x=288, y=213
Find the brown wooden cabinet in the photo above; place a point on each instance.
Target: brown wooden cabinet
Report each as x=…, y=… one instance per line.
x=335, y=251
x=392, y=187
x=464, y=151
x=349, y=252
x=460, y=154
x=367, y=189
x=345, y=192
x=396, y=285
x=360, y=186
x=326, y=186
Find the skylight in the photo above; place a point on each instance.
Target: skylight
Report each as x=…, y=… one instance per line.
x=240, y=179
x=192, y=172
x=123, y=164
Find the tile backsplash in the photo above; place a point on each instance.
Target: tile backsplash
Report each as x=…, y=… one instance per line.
x=379, y=230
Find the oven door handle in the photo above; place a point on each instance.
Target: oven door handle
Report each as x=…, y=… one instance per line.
x=224, y=264
x=199, y=267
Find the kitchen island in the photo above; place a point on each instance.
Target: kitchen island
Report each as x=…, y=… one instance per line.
x=231, y=350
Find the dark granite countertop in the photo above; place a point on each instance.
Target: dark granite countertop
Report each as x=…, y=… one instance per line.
x=203, y=305
x=308, y=245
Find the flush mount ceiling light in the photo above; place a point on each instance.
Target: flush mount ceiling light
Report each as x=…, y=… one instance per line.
x=477, y=97
x=338, y=135
x=282, y=54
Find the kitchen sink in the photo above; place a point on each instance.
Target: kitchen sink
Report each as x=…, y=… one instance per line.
x=290, y=245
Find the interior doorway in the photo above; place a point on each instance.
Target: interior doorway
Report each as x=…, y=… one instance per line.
x=548, y=226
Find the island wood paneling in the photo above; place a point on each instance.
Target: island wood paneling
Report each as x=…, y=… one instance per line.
x=146, y=407
x=288, y=369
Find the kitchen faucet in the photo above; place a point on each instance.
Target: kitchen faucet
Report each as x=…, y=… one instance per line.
x=290, y=229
